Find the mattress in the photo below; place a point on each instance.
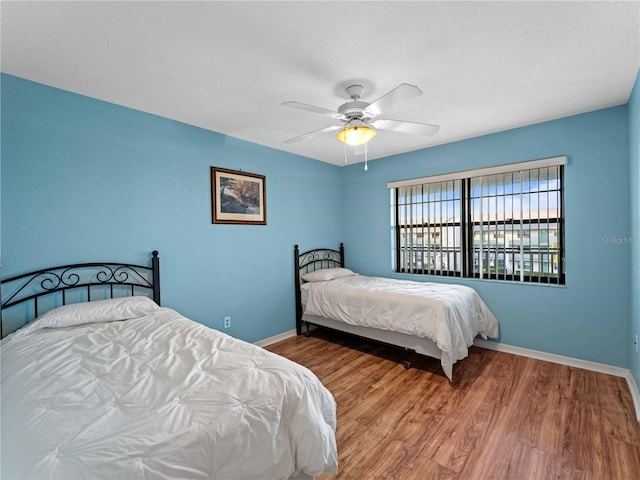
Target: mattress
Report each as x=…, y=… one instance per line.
x=449, y=315
x=156, y=395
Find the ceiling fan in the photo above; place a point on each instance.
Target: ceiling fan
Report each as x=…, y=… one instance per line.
x=360, y=120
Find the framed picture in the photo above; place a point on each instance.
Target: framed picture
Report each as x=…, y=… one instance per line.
x=238, y=197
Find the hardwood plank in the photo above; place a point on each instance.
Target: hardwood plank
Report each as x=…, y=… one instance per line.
x=617, y=410
x=427, y=469
x=357, y=448
x=463, y=431
x=412, y=434
x=621, y=459
x=492, y=457
x=530, y=463
x=536, y=404
x=503, y=416
x=389, y=461
x=582, y=448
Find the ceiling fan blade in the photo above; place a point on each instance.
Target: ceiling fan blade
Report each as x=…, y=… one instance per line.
x=413, y=128
x=304, y=136
x=389, y=100
x=312, y=108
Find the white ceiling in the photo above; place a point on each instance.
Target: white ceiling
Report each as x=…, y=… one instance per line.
x=227, y=66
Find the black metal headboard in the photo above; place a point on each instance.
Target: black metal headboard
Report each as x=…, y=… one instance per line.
x=75, y=283
x=310, y=261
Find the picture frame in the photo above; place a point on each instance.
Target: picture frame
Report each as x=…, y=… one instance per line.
x=238, y=197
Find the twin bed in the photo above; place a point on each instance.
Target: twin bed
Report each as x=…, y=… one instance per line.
x=111, y=385
x=434, y=319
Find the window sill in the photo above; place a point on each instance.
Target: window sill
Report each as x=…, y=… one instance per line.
x=444, y=279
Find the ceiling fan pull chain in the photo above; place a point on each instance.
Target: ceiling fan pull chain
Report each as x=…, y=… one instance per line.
x=345, y=153
x=366, y=151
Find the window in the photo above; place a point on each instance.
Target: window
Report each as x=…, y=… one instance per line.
x=428, y=228
x=501, y=223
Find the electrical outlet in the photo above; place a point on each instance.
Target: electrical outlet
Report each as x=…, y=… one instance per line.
x=227, y=322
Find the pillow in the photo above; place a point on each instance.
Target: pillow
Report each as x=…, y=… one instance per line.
x=327, y=274
x=110, y=310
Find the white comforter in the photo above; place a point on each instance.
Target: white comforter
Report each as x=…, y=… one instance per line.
x=449, y=315
x=158, y=397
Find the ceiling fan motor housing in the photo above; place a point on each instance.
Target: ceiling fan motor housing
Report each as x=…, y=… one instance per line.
x=353, y=110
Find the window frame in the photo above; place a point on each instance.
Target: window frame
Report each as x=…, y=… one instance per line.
x=467, y=227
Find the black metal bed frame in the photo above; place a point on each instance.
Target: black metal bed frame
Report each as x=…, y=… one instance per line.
x=33, y=286
x=308, y=262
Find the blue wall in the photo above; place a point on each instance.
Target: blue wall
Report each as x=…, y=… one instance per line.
x=85, y=180
x=589, y=317
x=634, y=153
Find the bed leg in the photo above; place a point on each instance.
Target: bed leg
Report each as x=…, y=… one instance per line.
x=406, y=363
x=306, y=333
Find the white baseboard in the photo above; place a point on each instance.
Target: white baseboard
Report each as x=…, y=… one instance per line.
x=276, y=338
x=553, y=358
x=571, y=362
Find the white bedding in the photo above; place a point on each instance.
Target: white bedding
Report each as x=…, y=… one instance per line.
x=158, y=397
x=449, y=315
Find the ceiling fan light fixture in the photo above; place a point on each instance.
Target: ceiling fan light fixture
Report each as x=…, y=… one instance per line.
x=356, y=134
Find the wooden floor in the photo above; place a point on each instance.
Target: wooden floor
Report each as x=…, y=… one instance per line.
x=503, y=417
